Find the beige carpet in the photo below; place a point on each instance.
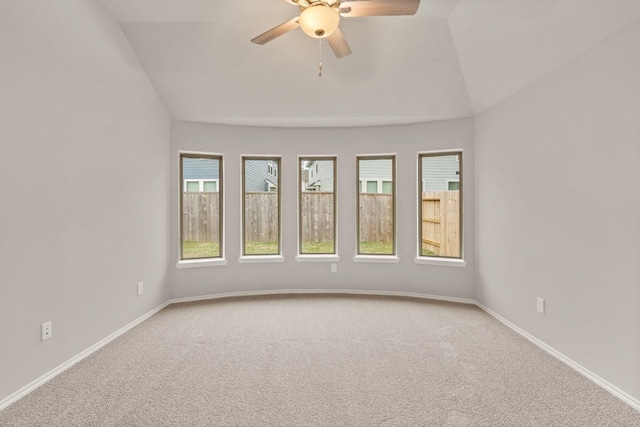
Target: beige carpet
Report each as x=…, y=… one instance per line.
x=320, y=361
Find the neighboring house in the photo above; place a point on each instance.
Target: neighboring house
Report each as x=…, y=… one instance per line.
x=304, y=179
x=376, y=176
x=260, y=175
x=200, y=175
x=440, y=173
x=319, y=175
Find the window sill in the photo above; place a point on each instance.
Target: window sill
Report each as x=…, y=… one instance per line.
x=317, y=258
x=384, y=259
x=207, y=262
x=256, y=259
x=444, y=262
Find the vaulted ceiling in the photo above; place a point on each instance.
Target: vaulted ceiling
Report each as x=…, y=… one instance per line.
x=453, y=59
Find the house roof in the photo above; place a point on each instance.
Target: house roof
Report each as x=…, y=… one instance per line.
x=454, y=58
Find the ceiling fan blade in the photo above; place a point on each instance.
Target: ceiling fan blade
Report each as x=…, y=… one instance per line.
x=339, y=44
x=281, y=29
x=353, y=8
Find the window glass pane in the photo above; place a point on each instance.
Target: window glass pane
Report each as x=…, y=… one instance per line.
x=210, y=186
x=439, y=207
x=387, y=187
x=261, y=206
x=201, y=222
x=317, y=206
x=376, y=228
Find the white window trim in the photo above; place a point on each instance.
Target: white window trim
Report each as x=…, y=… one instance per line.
x=318, y=257
x=437, y=261
x=384, y=259
x=255, y=259
x=443, y=262
x=205, y=262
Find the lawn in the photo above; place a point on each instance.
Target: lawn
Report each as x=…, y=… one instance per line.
x=376, y=248
x=317, y=248
x=191, y=249
x=261, y=248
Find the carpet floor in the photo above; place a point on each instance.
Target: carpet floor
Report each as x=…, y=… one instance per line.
x=320, y=360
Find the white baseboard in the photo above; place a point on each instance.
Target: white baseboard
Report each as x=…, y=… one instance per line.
x=630, y=400
x=69, y=363
x=322, y=291
x=625, y=397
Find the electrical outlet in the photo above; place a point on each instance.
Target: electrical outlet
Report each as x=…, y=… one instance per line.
x=540, y=306
x=140, y=288
x=47, y=330
x=334, y=268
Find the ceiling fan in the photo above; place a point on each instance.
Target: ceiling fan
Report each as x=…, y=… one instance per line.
x=320, y=19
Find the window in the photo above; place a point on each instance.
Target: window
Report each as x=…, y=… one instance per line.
x=439, y=205
x=201, y=206
x=260, y=206
x=376, y=205
x=317, y=205
x=272, y=168
x=206, y=185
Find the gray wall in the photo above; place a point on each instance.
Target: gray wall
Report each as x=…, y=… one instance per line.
x=345, y=143
x=558, y=209
x=83, y=181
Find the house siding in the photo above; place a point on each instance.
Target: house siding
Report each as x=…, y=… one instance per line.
x=193, y=168
x=438, y=170
x=324, y=177
x=256, y=175
x=374, y=170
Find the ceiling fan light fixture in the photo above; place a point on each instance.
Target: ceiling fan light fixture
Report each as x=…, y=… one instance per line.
x=319, y=21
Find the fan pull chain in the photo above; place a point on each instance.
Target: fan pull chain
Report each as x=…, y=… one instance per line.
x=320, y=59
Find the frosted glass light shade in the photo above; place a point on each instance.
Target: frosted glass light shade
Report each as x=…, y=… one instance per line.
x=319, y=21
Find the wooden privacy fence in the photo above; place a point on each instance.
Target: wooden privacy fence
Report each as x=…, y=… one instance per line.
x=261, y=217
x=441, y=223
x=201, y=213
x=201, y=217
x=316, y=217
x=376, y=217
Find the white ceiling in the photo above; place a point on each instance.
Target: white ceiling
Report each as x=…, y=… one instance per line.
x=452, y=59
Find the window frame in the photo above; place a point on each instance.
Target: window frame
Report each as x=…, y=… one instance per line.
x=202, y=261
x=440, y=259
x=244, y=257
x=328, y=256
x=393, y=257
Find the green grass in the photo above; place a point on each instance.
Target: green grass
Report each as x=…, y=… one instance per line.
x=191, y=249
x=317, y=248
x=261, y=248
x=427, y=252
x=376, y=248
